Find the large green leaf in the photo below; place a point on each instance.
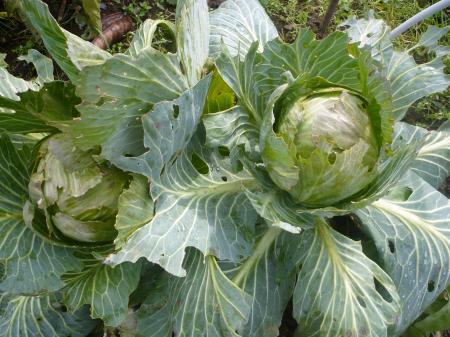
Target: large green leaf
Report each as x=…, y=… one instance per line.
x=192, y=33
x=71, y=52
x=168, y=129
x=411, y=229
x=409, y=81
x=206, y=210
x=433, y=159
x=44, y=315
x=237, y=24
x=116, y=94
x=199, y=199
x=29, y=264
x=105, y=288
x=204, y=303
x=337, y=292
x=39, y=111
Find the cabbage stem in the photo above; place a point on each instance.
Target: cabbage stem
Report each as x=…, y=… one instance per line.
x=263, y=245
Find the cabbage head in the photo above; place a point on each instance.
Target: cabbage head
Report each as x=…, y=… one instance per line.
x=332, y=142
x=78, y=195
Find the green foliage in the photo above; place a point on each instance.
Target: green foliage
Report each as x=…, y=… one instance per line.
x=92, y=10
x=197, y=192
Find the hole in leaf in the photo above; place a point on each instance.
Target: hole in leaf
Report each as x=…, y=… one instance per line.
x=176, y=111
x=348, y=226
x=199, y=164
x=383, y=291
x=332, y=158
x=431, y=286
x=391, y=246
x=224, y=151
x=164, y=40
x=224, y=178
x=2, y=271
x=288, y=321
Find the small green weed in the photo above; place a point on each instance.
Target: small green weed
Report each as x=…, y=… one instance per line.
x=140, y=10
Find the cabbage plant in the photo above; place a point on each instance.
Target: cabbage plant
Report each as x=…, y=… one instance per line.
x=199, y=192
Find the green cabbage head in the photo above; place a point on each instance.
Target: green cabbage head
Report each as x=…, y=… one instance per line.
x=78, y=195
x=332, y=144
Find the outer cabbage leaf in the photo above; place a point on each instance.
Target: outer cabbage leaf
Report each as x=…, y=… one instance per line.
x=71, y=52
x=336, y=292
x=10, y=85
x=168, y=128
x=105, y=288
x=433, y=159
x=116, y=94
x=39, y=111
x=237, y=24
x=409, y=81
x=192, y=34
x=208, y=211
x=199, y=199
x=411, y=229
x=204, y=303
x=29, y=263
x=44, y=315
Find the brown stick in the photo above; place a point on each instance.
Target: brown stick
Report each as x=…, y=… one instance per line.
x=328, y=15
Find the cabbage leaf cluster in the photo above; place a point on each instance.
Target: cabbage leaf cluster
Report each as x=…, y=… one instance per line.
x=196, y=193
